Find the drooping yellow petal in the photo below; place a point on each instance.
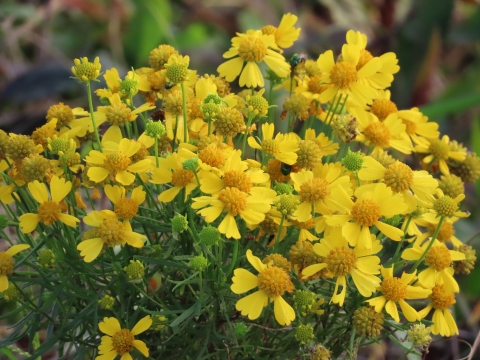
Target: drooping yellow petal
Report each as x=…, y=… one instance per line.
x=59, y=188
x=97, y=174
x=141, y=346
x=284, y=313
x=15, y=249
x=229, y=227
x=38, y=191
x=391, y=308
x=90, y=249
x=125, y=178
x=142, y=325
x=28, y=222
x=255, y=261
x=68, y=220
x=109, y=326
x=253, y=304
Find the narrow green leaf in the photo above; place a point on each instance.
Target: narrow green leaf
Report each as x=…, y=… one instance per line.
x=161, y=262
x=8, y=354
x=451, y=106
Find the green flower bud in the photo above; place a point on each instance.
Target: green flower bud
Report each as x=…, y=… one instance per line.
x=106, y=302
x=304, y=333
x=11, y=293
x=190, y=164
x=240, y=330
x=419, y=335
x=283, y=188
x=198, y=263
x=209, y=235
x=46, y=258
x=353, y=161
x=179, y=224
x=159, y=323
x=154, y=129
x=135, y=270
x=3, y=221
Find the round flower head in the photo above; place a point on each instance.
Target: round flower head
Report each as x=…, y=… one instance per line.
x=252, y=48
x=125, y=208
x=446, y=206
x=272, y=282
x=372, y=202
x=7, y=263
x=282, y=147
x=395, y=290
x=49, y=210
x=285, y=34
x=121, y=341
x=340, y=260
x=443, y=321
x=85, y=70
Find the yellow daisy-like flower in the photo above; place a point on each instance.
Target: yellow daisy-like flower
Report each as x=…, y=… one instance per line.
x=272, y=282
x=340, y=260
x=109, y=232
x=443, y=321
x=395, y=290
x=372, y=202
x=251, y=208
x=122, y=341
x=286, y=34
x=438, y=151
x=446, y=232
x=381, y=134
x=327, y=146
x=439, y=260
x=125, y=208
x=315, y=188
x=445, y=206
x=252, y=48
x=282, y=147
x=345, y=78
x=113, y=80
x=7, y=262
x=49, y=210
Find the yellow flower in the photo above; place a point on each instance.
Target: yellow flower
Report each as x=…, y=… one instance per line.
x=125, y=208
x=6, y=194
x=282, y=147
x=85, y=70
x=109, y=232
x=7, y=263
x=286, y=34
x=438, y=151
x=443, y=322
x=340, y=260
x=48, y=211
x=113, y=80
x=395, y=290
x=327, y=146
x=372, y=202
x=252, y=48
x=272, y=282
x=121, y=341
x=446, y=233
x=438, y=259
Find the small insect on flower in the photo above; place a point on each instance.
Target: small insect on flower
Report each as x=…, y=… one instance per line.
x=298, y=59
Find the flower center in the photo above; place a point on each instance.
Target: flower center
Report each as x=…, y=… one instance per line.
x=234, y=200
x=122, y=341
x=237, y=179
x=116, y=162
x=439, y=149
x=381, y=108
x=252, y=48
x=446, y=231
x=268, y=30
x=6, y=264
x=411, y=127
x=313, y=190
x=341, y=260
x=182, y=177
x=343, y=75
x=438, y=257
x=445, y=206
x=126, y=208
x=112, y=232
x=63, y=113
x=366, y=212
x=365, y=57
x=441, y=300
x=378, y=134
x=119, y=115
x=399, y=177
x=315, y=84
x=211, y=155
x=309, y=154
x=49, y=212
x=270, y=146
x=274, y=169
x=394, y=289
x=274, y=281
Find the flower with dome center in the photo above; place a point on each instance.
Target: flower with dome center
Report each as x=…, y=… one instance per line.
x=395, y=290
x=272, y=282
x=114, y=82
x=440, y=300
x=285, y=34
x=108, y=231
x=7, y=263
x=372, y=202
x=125, y=208
x=439, y=260
x=445, y=206
x=49, y=209
x=252, y=48
x=282, y=147
x=341, y=261
x=121, y=341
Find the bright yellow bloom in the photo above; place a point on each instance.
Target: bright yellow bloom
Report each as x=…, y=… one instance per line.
x=282, y=147
x=395, y=290
x=49, y=210
x=340, y=260
x=7, y=263
x=286, y=34
x=327, y=146
x=438, y=259
x=121, y=341
x=372, y=202
x=125, y=208
x=6, y=193
x=252, y=48
x=113, y=80
x=438, y=151
x=446, y=233
x=443, y=321
x=272, y=282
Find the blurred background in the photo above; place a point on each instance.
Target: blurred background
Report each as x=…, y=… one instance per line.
x=437, y=43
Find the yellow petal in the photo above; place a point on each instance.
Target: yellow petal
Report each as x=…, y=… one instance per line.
x=255, y=261
x=252, y=305
x=231, y=69
x=142, y=325
x=229, y=227
x=109, y=326
x=68, y=220
x=141, y=346
x=15, y=249
x=59, y=189
x=28, y=222
x=38, y=191
x=243, y=281
x=284, y=313
x=125, y=178
x=90, y=249
x=114, y=193
x=97, y=174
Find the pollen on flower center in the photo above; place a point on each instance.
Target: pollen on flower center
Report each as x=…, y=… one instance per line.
x=446, y=231
x=439, y=149
x=274, y=281
x=315, y=84
x=411, y=127
x=6, y=264
x=445, y=206
x=343, y=75
x=126, y=208
x=268, y=30
x=365, y=57
x=381, y=108
x=237, y=179
x=116, y=162
x=399, y=177
x=438, y=257
x=440, y=299
x=366, y=212
x=112, y=232
x=235, y=201
x=394, y=289
x=118, y=115
x=122, y=341
x=252, y=49
x=211, y=155
x=313, y=190
x=341, y=260
x=49, y=212
x=182, y=177
x=378, y=134
x=270, y=146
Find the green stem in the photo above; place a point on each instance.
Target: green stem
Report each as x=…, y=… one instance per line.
x=234, y=258
x=430, y=244
x=175, y=133
x=277, y=240
x=90, y=106
x=184, y=103
x=156, y=151
x=271, y=110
